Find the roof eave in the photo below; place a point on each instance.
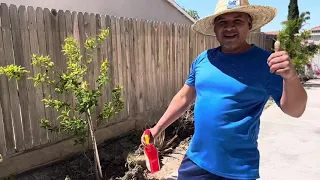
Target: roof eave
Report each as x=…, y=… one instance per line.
x=174, y=4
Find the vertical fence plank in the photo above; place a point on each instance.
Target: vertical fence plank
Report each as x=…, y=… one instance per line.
x=123, y=66
x=34, y=49
x=86, y=36
x=154, y=41
x=144, y=57
x=183, y=55
x=108, y=56
x=173, y=59
x=153, y=99
x=20, y=60
x=176, y=45
x=61, y=63
x=25, y=37
x=157, y=83
x=57, y=21
x=179, y=59
x=2, y=78
x=161, y=65
x=13, y=93
x=9, y=92
x=82, y=37
x=137, y=42
x=101, y=25
x=170, y=60
x=82, y=23
x=94, y=65
x=4, y=90
x=69, y=34
x=43, y=52
x=51, y=53
x=118, y=66
x=114, y=64
x=131, y=70
x=69, y=24
x=192, y=48
x=148, y=64
x=187, y=53
x=99, y=59
x=164, y=60
x=127, y=69
x=171, y=56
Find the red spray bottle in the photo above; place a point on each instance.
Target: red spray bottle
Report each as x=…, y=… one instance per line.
x=151, y=154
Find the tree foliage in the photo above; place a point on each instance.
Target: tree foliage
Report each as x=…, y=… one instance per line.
x=297, y=45
x=293, y=12
x=75, y=118
x=193, y=13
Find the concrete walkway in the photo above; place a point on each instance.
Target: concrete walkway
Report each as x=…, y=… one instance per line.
x=289, y=147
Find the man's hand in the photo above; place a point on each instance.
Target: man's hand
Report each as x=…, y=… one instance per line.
x=280, y=63
x=294, y=97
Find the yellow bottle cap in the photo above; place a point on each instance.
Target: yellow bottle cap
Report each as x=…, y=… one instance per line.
x=147, y=138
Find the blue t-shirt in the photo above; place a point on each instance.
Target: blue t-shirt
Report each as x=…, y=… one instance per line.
x=232, y=90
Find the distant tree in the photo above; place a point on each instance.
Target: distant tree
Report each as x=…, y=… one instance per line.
x=297, y=44
x=193, y=13
x=293, y=12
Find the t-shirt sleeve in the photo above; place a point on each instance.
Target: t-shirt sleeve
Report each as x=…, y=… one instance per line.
x=275, y=87
x=191, y=77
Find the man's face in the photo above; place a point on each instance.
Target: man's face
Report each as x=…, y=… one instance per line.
x=232, y=29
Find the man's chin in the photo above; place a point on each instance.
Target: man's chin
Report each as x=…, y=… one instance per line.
x=230, y=46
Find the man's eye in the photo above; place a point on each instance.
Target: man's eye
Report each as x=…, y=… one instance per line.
x=238, y=20
x=221, y=22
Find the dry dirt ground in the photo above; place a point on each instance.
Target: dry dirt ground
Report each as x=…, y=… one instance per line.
x=122, y=158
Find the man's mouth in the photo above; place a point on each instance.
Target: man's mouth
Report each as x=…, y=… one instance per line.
x=230, y=36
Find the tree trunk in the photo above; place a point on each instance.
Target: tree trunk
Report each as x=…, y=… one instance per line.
x=98, y=170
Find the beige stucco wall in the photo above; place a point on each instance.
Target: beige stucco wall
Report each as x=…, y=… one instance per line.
x=158, y=10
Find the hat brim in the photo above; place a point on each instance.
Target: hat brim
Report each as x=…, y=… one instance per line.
x=261, y=15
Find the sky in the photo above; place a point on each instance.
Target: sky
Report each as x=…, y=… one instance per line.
x=206, y=8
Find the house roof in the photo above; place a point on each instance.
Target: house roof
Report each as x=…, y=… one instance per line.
x=272, y=32
x=317, y=28
x=174, y=4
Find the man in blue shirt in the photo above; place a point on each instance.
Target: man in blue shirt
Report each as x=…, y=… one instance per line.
x=231, y=85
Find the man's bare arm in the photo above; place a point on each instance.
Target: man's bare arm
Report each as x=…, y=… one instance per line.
x=178, y=105
x=294, y=97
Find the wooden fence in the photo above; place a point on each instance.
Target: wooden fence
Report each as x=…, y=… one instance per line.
x=150, y=59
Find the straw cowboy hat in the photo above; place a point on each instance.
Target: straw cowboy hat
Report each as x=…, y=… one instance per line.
x=261, y=15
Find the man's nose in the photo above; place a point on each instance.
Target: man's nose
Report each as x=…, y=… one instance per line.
x=229, y=26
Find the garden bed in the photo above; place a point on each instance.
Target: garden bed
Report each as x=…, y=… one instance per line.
x=122, y=158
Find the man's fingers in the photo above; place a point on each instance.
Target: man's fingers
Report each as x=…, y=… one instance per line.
x=276, y=54
x=278, y=66
x=278, y=59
